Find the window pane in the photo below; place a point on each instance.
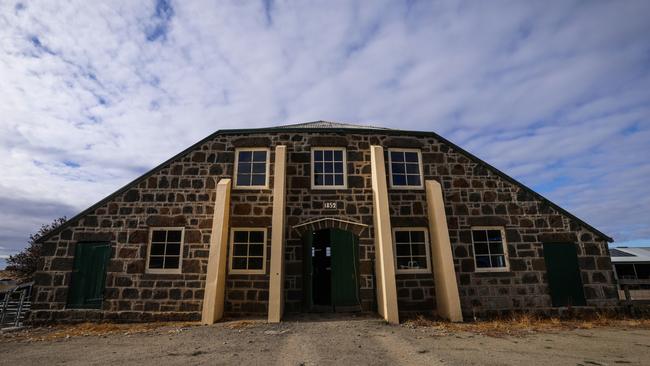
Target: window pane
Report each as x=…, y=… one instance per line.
x=318, y=155
x=396, y=156
x=255, y=263
x=319, y=180
x=401, y=236
x=498, y=261
x=329, y=180
x=418, y=249
x=256, y=250
x=496, y=248
x=338, y=155
x=171, y=262
x=338, y=167
x=157, y=249
x=329, y=167
x=480, y=248
x=158, y=236
x=258, y=180
x=155, y=262
x=402, y=250
x=243, y=179
x=318, y=167
x=399, y=180
x=403, y=262
x=259, y=156
x=327, y=155
x=245, y=156
x=243, y=168
x=398, y=168
x=259, y=167
x=417, y=236
x=338, y=179
x=173, y=249
x=479, y=235
x=411, y=157
x=419, y=262
x=494, y=235
x=482, y=261
x=239, y=250
x=257, y=236
x=239, y=263
x=174, y=236
x=413, y=180
x=412, y=169
x=241, y=236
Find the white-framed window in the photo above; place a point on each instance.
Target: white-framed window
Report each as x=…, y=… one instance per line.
x=329, y=168
x=411, y=250
x=490, y=249
x=248, y=251
x=252, y=168
x=405, y=168
x=165, y=250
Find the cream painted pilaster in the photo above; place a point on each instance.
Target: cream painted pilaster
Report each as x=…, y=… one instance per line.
x=384, y=256
x=276, y=280
x=215, y=283
x=448, y=301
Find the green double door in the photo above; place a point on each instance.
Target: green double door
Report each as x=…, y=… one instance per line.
x=89, y=275
x=331, y=272
x=563, y=274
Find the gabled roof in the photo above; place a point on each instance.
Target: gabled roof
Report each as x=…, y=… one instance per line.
x=327, y=127
x=329, y=124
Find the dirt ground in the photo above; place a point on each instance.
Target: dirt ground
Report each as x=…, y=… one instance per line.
x=327, y=340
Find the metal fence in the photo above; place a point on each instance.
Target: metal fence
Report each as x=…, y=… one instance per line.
x=15, y=304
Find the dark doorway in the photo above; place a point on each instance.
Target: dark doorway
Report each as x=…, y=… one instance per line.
x=331, y=275
x=321, y=261
x=89, y=275
x=564, y=274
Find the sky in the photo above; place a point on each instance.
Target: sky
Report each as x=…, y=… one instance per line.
x=554, y=93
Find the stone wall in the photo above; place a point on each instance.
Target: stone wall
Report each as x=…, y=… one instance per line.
x=182, y=193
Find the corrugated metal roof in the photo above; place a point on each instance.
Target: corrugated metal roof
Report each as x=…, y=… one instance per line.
x=330, y=124
x=629, y=255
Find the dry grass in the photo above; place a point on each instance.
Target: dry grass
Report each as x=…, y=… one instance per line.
x=65, y=331
x=243, y=324
x=522, y=324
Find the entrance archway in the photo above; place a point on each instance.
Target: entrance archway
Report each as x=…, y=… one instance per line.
x=331, y=265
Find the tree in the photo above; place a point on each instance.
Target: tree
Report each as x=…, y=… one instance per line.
x=25, y=263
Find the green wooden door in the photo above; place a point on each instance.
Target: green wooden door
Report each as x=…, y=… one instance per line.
x=564, y=274
x=345, y=277
x=89, y=275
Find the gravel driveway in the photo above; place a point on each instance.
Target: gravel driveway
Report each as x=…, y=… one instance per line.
x=326, y=340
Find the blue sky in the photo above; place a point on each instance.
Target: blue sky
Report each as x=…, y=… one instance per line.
x=555, y=93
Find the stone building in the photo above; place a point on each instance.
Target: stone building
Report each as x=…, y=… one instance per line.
x=321, y=216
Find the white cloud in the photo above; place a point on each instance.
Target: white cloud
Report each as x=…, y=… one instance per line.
x=554, y=93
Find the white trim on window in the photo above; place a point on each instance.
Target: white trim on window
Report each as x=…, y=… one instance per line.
x=180, y=256
x=390, y=169
x=425, y=231
x=503, y=243
x=266, y=173
x=345, y=168
x=232, y=244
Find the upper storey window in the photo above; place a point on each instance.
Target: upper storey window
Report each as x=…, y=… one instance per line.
x=328, y=168
x=252, y=168
x=490, y=253
x=165, y=251
x=405, y=167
